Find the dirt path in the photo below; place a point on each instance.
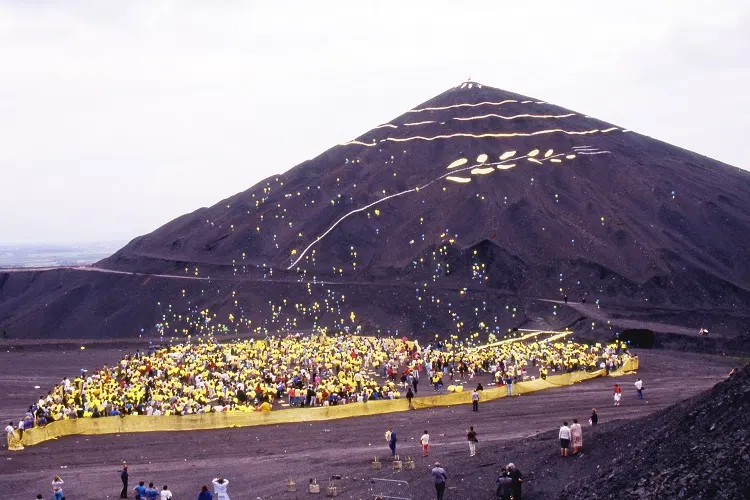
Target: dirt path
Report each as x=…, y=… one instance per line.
x=595, y=312
x=258, y=461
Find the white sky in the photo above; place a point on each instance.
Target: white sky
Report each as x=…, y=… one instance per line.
x=114, y=120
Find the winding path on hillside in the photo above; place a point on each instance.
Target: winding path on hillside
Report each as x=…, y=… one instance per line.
x=596, y=313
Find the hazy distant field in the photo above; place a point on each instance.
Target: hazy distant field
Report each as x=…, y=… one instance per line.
x=46, y=255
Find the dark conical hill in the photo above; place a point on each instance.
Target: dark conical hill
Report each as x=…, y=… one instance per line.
x=576, y=195
x=477, y=189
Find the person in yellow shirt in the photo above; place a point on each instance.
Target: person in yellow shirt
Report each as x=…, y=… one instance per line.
x=264, y=407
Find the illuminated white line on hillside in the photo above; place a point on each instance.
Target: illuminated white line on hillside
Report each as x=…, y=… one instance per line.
x=476, y=136
x=344, y=217
x=610, y=129
x=581, y=147
x=451, y=173
x=486, y=103
x=386, y=125
x=418, y=123
x=592, y=152
x=514, y=117
x=412, y=190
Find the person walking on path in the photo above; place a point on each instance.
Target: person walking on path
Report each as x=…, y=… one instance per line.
x=438, y=473
x=471, y=435
x=425, y=442
x=409, y=397
x=57, y=488
x=475, y=400
x=564, y=439
x=639, y=388
x=509, y=384
x=124, y=479
x=594, y=419
x=392, y=439
x=515, y=475
x=220, y=488
x=204, y=494
x=576, y=437
x=617, y=394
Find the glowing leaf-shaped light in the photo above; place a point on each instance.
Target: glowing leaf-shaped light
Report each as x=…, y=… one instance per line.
x=482, y=158
x=533, y=152
x=507, y=155
x=458, y=163
x=506, y=167
x=548, y=153
x=460, y=180
x=570, y=157
x=482, y=171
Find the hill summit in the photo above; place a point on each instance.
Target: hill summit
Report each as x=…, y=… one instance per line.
x=478, y=192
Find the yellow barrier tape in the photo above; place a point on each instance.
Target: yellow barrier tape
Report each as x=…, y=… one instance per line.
x=143, y=423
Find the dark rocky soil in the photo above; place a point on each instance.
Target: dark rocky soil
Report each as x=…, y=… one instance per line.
x=699, y=448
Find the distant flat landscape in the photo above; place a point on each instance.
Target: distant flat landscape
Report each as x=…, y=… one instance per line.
x=51, y=255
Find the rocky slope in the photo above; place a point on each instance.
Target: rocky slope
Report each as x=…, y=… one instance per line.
x=698, y=449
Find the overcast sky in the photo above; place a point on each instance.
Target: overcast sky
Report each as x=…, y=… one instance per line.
x=114, y=121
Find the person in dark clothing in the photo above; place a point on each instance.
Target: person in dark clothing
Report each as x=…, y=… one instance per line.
x=415, y=383
x=438, y=473
x=594, y=419
x=409, y=397
x=504, y=485
x=515, y=475
x=392, y=441
x=124, y=478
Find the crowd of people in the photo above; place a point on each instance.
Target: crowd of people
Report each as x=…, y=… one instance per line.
x=302, y=371
x=143, y=492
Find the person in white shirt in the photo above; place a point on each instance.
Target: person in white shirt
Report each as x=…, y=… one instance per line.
x=425, y=442
x=639, y=388
x=166, y=494
x=475, y=400
x=57, y=488
x=220, y=488
x=14, y=441
x=564, y=439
